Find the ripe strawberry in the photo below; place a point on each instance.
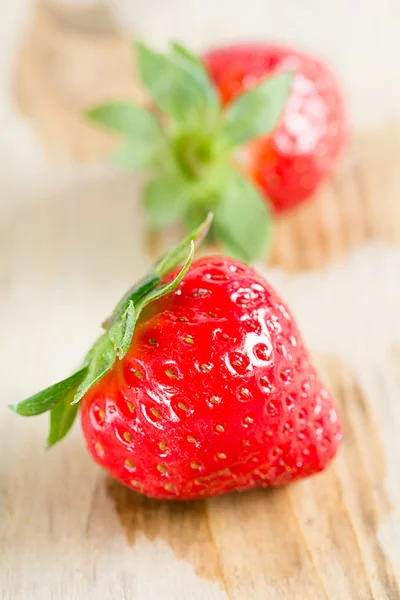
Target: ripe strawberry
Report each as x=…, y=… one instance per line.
x=214, y=392
x=290, y=163
x=248, y=128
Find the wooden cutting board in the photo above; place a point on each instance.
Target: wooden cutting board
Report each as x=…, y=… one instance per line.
x=67, y=531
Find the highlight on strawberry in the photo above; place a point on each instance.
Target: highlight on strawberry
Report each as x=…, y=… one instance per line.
x=246, y=132
x=200, y=384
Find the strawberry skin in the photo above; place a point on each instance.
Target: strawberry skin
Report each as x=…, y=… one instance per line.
x=216, y=393
x=289, y=165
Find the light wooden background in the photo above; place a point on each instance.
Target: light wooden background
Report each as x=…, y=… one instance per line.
x=71, y=240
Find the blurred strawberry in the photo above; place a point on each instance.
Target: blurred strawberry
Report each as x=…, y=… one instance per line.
x=202, y=133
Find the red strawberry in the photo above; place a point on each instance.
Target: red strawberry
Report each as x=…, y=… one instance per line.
x=291, y=163
x=214, y=392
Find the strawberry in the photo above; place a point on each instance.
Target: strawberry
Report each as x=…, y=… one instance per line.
x=290, y=163
x=248, y=129
x=200, y=385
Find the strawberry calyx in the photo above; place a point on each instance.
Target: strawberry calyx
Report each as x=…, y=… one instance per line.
x=62, y=399
x=188, y=148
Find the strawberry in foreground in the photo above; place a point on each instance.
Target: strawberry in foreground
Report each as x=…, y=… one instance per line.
x=199, y=385
x=249, y=129
x=290, y=164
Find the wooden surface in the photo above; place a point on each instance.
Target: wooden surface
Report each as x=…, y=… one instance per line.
x=75, y=243
x=67, y=531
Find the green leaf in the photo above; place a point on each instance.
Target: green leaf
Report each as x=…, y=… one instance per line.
x=191, y=59
x=122, y=331
x=242, y=221
x=62, y=418
x=162, y=290
x=48, y=398
x=146, y=142
x=195, y=213
x=137, y=291
x=177, y=255
x=102, y=358
x=173, y=84
x=164, y=200
x=127, y=118
x=137, y=155
x=257, y=111
x=198, y=71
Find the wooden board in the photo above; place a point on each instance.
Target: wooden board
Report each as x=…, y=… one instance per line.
x=67, y=531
